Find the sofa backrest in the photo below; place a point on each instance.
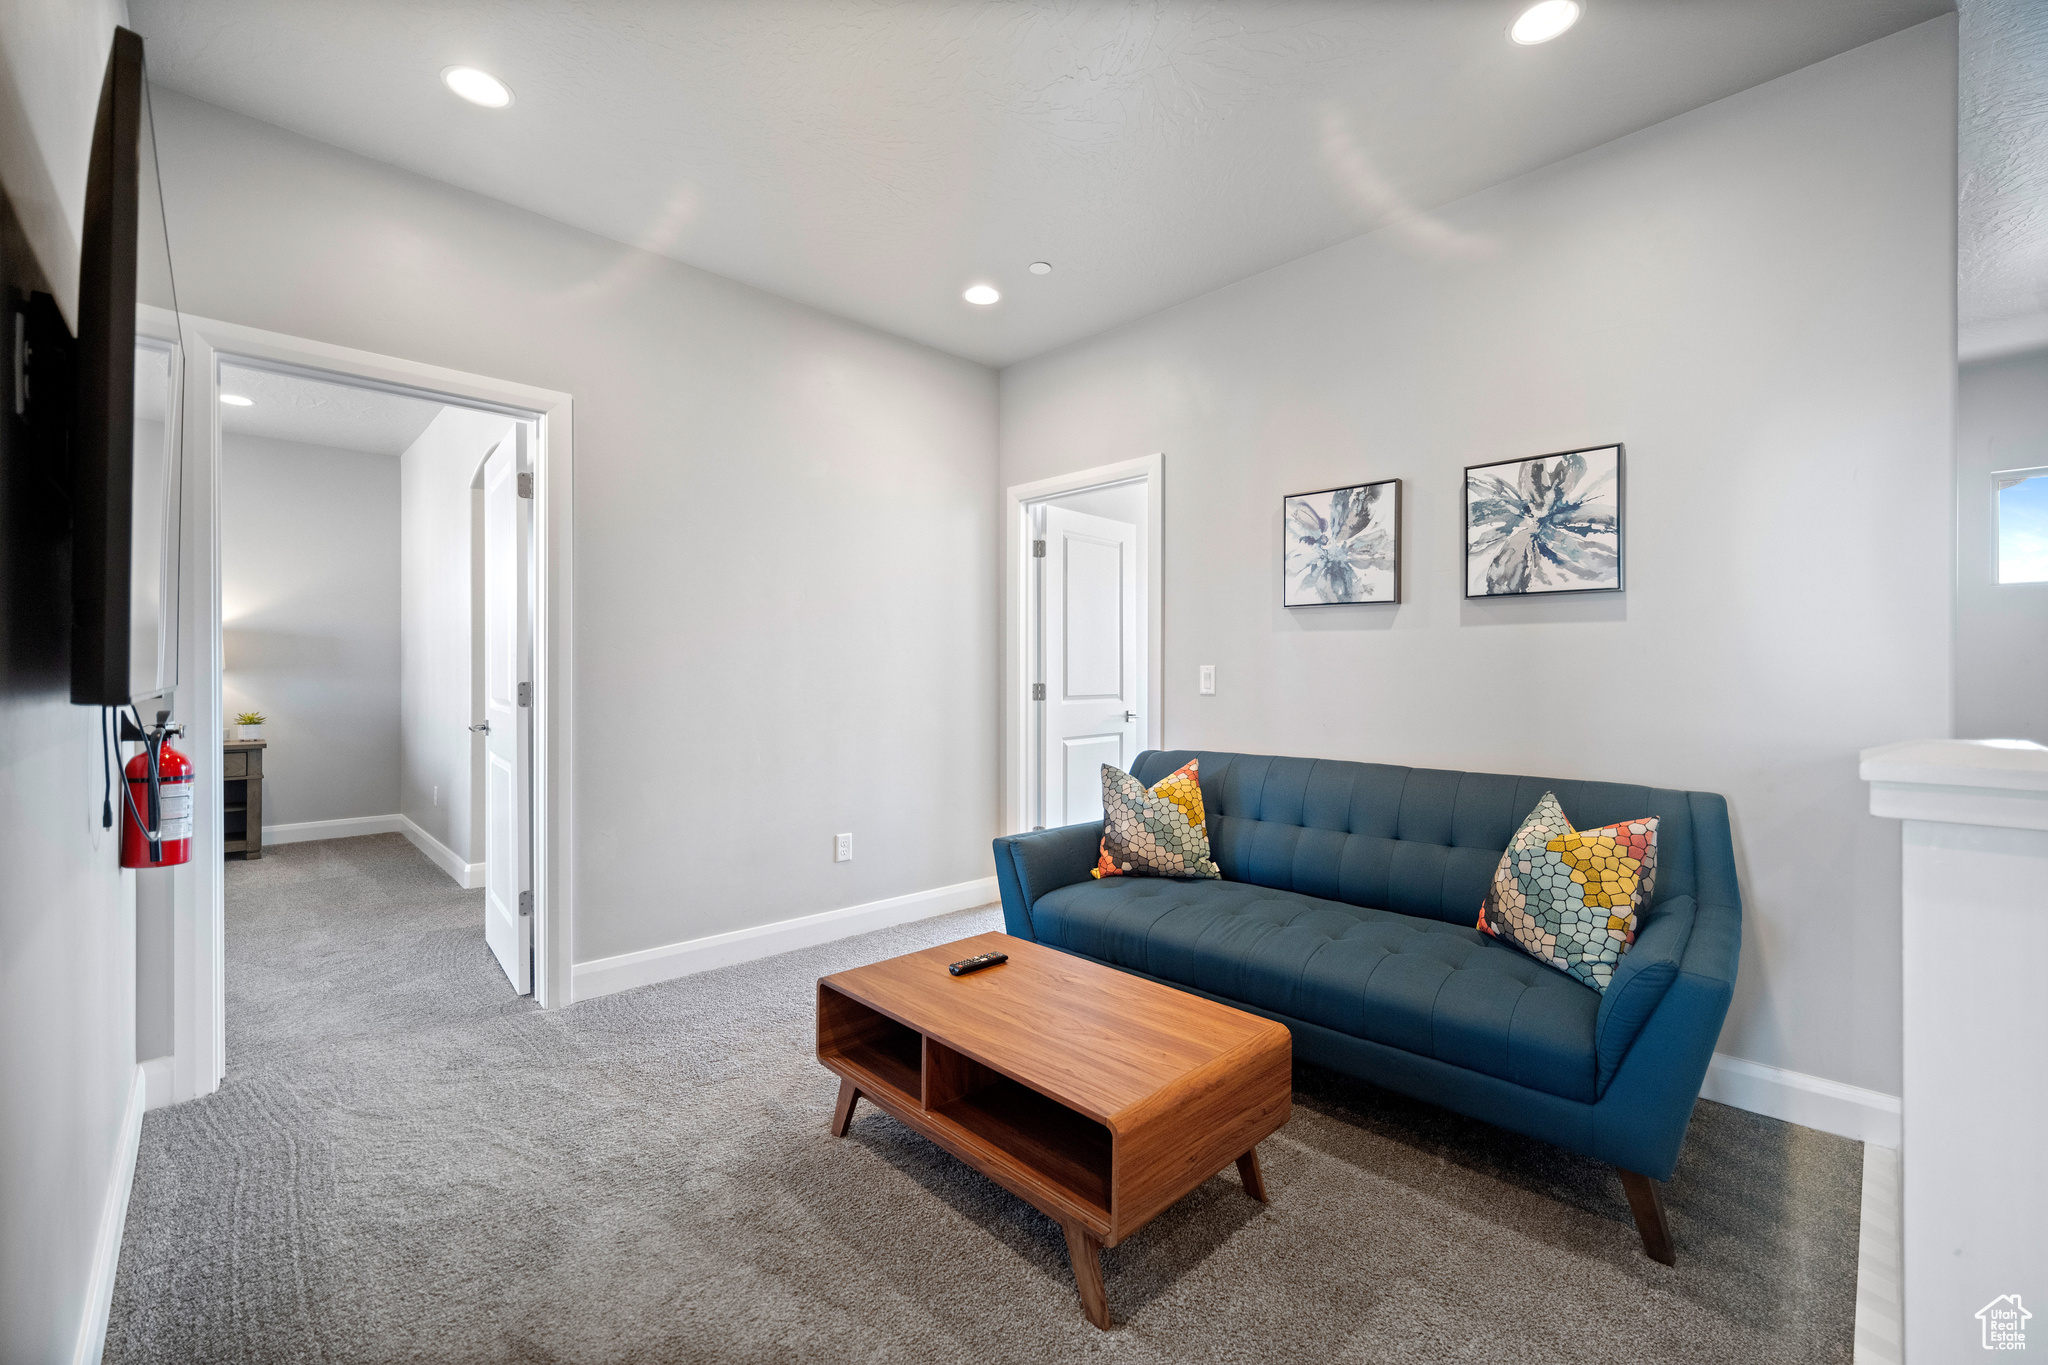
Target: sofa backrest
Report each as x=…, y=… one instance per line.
x=1424, y=841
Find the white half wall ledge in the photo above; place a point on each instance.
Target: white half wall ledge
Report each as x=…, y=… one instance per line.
x=1810, y=1101
x=608, y=975
x=1996, y=782
x=106, y=1252
x=1973, y=840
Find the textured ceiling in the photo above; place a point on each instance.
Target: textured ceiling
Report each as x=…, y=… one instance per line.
x=873, y=159
x=293, y=408
x=2002, y=229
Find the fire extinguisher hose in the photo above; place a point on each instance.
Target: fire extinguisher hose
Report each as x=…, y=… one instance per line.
x=149, y=827
x=148, y=831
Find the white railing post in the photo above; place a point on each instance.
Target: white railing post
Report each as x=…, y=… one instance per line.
x=1975, y=1093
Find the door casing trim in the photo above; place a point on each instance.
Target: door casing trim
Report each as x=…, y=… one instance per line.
x=199, y=970
x=1020, y=606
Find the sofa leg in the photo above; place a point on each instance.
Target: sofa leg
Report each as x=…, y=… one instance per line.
x=1646, y=1202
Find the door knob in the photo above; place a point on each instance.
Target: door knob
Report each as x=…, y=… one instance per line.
x=1130, y=716
x=483, y=727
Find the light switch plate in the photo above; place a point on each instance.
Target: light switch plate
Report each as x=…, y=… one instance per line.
x=842, y=848
x=1208, y=680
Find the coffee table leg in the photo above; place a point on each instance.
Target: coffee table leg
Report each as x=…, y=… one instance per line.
x=1248, y=1172
x=1086, y=1254
x=842, y=1112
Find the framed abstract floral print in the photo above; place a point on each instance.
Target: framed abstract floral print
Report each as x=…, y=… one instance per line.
x=1343, y=545
x=1547, y=524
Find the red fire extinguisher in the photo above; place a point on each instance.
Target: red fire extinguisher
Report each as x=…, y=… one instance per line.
x=156, y=826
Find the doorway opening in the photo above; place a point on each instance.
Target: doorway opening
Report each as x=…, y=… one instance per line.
x=384, y=562
x=376, y=629
x=1082, y=685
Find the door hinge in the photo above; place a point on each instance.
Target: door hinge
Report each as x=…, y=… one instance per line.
x=526, y=485
x=1038, y=549
x=525, y=903
x=526, y=694
x=1038, y=691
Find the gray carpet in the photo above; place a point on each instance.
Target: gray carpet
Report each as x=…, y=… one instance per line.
x=408, y=1163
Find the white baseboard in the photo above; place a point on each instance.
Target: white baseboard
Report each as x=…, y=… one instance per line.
x=159, y=1080
x=1845, y=1110
x=1880, y=1285
x=106, y=1252
x=605, y=975
x=308, y=830
x=468, y=876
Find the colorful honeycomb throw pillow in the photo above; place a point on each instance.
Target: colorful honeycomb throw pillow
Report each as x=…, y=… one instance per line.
x=1157, y=833
x=1568, y=896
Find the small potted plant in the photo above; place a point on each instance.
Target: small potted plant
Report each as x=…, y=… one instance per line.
x=249, y=725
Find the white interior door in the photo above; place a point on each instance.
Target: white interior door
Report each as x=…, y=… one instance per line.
x=1093, y=673
x=508, y=901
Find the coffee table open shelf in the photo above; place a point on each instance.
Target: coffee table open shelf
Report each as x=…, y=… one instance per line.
x=1096, y=1096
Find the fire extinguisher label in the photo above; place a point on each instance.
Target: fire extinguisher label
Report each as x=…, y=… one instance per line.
x=174, y=808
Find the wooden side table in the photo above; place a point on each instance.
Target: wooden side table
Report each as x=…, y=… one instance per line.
x=241, y=770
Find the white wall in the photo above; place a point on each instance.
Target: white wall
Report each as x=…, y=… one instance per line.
x=309, y=602
x=442, y=759
x=67, y=915
x=785, y=525
x=53, y=56
x=1758, y=298
x=2001, y=668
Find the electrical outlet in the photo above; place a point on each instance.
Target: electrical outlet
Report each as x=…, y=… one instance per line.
x=437, y=796
x=842, y=848
x=1208, y=680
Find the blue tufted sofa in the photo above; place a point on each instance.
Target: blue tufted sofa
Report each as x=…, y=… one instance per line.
x=1346, y=912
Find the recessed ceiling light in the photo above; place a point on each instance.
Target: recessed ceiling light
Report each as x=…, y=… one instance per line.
x=1041, y=267
x=1543, y=21
x=478, y=87
x=235, y=400
x=983, y=294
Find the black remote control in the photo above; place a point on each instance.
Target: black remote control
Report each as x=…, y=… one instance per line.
x=975, y=964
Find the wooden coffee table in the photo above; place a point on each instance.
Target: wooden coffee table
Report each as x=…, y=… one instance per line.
x=1098, y=1097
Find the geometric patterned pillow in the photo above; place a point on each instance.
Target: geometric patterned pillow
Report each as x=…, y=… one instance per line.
x=1160, y=833
x=1568, y=897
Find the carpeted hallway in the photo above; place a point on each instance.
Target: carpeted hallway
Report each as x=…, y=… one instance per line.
x=409, y=1163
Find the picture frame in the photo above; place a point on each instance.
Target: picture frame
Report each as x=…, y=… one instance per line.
x=1545, y=525
x=1342, y=546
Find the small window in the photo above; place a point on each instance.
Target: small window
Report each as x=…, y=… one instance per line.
x=2022, y=525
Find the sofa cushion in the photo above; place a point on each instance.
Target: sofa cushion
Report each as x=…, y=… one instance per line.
x=1440, y=990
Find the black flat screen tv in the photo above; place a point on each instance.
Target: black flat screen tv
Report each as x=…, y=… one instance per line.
x=127, y=474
